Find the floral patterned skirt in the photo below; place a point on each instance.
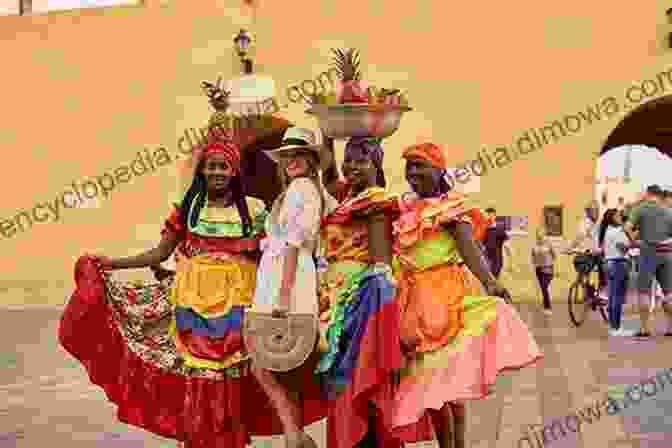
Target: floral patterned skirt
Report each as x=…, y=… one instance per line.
x=121, y=333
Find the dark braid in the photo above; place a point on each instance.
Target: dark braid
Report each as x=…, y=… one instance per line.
x=197, y=192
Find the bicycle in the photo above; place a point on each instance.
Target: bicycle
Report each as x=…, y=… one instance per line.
x=583, y=294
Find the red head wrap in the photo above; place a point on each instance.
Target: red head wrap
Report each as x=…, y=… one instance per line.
x=228, y=149
x=426, y=151
x=218, y=143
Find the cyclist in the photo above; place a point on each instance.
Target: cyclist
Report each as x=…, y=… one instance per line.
x=586, y=243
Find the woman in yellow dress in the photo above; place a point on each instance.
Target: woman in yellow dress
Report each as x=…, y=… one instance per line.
x=456, y=340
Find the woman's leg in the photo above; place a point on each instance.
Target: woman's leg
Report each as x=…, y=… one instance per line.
x=370, y=440
x=620, y=278
x=546, y=278
x=543, y=285
x=444, y=425
x=460, y=431
x=613, y=290
x=288, y=411
x=450, y=425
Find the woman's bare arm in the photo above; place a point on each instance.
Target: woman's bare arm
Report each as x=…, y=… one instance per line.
x=151, y=257
x=471, y=254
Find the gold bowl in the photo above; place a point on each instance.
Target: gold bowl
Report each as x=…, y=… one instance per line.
x=342, y=121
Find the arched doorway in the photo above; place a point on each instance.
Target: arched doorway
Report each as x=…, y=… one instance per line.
x=637, y=153
x=625, y=171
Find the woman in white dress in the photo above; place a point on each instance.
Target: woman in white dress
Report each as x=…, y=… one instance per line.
x=287, y=273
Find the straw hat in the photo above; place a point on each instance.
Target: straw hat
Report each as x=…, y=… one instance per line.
x=300, y=139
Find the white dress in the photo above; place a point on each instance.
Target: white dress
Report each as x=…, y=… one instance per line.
x=295, y=223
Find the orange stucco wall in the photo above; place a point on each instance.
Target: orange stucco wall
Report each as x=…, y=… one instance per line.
x=82, y=92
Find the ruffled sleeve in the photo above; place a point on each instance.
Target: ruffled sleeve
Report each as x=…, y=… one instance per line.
x=373, y=200
x=419, y=216
x=302, y=208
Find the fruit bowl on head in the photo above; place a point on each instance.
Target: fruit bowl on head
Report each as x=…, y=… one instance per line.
x=342, y=121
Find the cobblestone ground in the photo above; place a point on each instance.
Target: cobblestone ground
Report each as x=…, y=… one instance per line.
x=46, y=400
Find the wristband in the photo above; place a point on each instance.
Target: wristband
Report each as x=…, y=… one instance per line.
x=322, y=264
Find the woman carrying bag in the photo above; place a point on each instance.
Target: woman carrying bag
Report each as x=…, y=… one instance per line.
x=281, y=332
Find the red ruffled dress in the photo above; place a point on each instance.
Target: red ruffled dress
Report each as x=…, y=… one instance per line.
x=170, y=354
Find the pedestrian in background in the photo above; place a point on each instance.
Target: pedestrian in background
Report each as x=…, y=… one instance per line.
x=586, y=241
x=614, y=243
x=667, y=198
x=655, y=261
x=495, y=238
x=543, y=260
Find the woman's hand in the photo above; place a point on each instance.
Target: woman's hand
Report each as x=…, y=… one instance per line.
x=161, y=273
x=282, y=307
x=106, y=263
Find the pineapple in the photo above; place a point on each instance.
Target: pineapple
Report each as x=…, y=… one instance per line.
x=347, y=65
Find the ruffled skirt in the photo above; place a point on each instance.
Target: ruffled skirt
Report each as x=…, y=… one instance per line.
x=464, y=342
x=121, y=333
x=362, y=357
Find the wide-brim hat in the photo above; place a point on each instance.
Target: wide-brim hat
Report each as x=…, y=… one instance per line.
x=301, y=139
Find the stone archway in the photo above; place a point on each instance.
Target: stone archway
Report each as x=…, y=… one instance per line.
x=649, y=124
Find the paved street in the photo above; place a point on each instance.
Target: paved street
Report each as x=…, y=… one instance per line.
x=46, y=400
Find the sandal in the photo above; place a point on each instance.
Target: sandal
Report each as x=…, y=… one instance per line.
x=668, y=333
x=641, y=334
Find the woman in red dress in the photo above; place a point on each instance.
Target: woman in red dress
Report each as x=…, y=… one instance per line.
x=170, y=354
